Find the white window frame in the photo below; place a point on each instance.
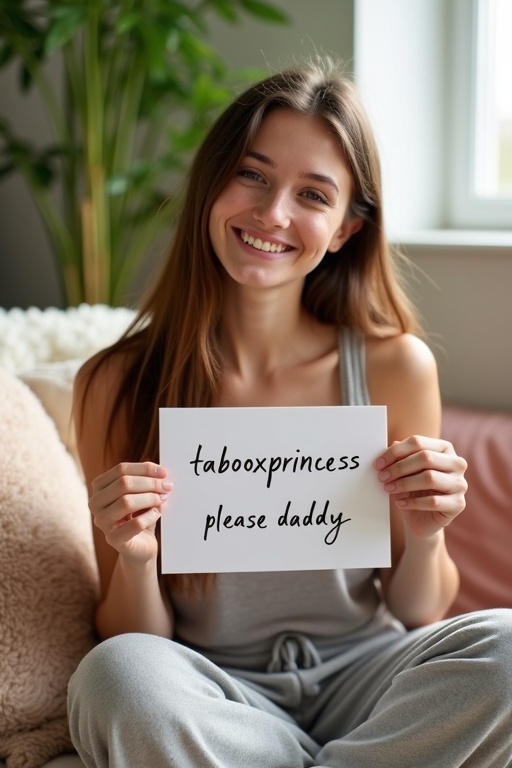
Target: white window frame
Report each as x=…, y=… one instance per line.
x=467, y=210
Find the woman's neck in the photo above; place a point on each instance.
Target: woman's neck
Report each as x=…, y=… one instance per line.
x=262, y=332
x=258, y=328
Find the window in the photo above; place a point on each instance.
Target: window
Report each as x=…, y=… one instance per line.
x=482, y=119
x=493, y=118
x=436, y=79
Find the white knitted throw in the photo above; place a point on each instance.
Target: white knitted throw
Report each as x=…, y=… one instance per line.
x=30, y=337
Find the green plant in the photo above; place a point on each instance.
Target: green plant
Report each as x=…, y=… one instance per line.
x=140, y=85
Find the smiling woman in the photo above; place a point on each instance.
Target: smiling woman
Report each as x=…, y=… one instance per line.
x=280, y=289
x=287, y=205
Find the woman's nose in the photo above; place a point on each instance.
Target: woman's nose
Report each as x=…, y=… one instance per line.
x=273, y=210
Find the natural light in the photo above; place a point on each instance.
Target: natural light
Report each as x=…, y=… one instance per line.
x=493, y=139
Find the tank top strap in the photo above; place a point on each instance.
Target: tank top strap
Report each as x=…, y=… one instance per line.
x=352, y=350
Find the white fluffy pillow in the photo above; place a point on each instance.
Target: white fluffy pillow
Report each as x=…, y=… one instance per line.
x=48, y=578
x=30, y=337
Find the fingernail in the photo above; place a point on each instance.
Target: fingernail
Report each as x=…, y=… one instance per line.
x=384, y=475
x=389, y=486
x=380, y=463
x=163, y=496
x=167, y=486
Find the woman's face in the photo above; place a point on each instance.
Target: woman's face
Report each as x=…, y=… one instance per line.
x=286, y=206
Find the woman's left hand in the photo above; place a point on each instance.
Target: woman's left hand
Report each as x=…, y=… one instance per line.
x=425, y=479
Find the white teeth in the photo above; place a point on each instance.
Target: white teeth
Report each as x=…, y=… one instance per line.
x=261, y=245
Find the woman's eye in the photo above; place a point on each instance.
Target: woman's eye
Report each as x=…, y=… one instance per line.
x=249, y=173
x=316, y=197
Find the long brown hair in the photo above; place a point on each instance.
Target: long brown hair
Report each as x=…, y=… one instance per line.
x=173, y=345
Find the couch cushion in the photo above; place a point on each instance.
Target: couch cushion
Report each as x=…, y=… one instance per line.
x=53, y=385
x=480, y=539
x=48, y=579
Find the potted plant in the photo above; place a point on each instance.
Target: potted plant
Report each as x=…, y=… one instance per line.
x=139, y=86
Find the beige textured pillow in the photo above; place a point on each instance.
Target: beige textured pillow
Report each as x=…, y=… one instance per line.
x=53, y=385
x=48, y=578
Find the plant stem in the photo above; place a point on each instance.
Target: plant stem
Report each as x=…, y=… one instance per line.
x=63, y=245
x=98, y=220
x=123, y=141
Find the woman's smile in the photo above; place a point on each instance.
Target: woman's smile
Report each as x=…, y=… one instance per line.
x=267, y=248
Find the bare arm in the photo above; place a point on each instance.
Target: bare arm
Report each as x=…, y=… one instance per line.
x=425, y=480
x=125, y=502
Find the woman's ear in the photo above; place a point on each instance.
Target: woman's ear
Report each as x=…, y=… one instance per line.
x=350, y=226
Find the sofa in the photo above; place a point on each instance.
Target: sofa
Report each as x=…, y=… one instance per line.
x=49, y=582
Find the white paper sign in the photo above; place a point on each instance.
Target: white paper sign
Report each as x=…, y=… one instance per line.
x=273, y=489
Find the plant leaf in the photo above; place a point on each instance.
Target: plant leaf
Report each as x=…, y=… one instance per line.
x=265, y=11
x=225, y=10
x=63, y=26
x=127, y=21
x=42, y=174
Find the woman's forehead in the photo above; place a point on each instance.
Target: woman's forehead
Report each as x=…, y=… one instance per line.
x=306, y=141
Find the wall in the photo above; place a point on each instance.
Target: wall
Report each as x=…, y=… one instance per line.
x=400, y=72
x=464, y=296
x=27, y=273
x=325, y=26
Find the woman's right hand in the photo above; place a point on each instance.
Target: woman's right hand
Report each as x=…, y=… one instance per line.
x=126, y=503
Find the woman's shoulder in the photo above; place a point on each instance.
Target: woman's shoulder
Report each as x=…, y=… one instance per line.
x=402, y=374
x=399, y=355
x=399, y=363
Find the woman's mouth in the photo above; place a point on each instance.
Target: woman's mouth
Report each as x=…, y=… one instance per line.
x=262, y=245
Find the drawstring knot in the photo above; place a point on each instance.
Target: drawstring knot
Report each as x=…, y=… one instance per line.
x=293, y=651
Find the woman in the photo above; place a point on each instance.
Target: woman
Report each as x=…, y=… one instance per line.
x=280, y=290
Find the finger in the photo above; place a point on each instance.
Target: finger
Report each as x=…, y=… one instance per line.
x=125, y=508
x=412, y=445
x=123, y=533
x=134, y=469
x=443, y=506
x=129, y=485
x=408, y=478
x=427, y=463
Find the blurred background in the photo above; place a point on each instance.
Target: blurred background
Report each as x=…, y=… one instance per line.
x=435, y=76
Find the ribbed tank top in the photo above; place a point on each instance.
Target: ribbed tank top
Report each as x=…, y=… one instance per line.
x=236, y=624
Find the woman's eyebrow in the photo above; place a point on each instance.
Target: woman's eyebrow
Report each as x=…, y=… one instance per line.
x=262, y=158
x=320, y=177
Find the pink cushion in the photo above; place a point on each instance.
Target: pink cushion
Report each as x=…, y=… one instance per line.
x=480, y=539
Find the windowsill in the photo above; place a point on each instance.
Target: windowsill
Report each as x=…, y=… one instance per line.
x=456, y=238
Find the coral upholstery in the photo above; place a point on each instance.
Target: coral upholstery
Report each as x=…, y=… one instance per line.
x=480, y=540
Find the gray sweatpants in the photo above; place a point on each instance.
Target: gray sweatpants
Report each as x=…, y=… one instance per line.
x=437, y=697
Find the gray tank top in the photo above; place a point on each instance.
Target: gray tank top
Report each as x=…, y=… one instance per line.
x=237, y=623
